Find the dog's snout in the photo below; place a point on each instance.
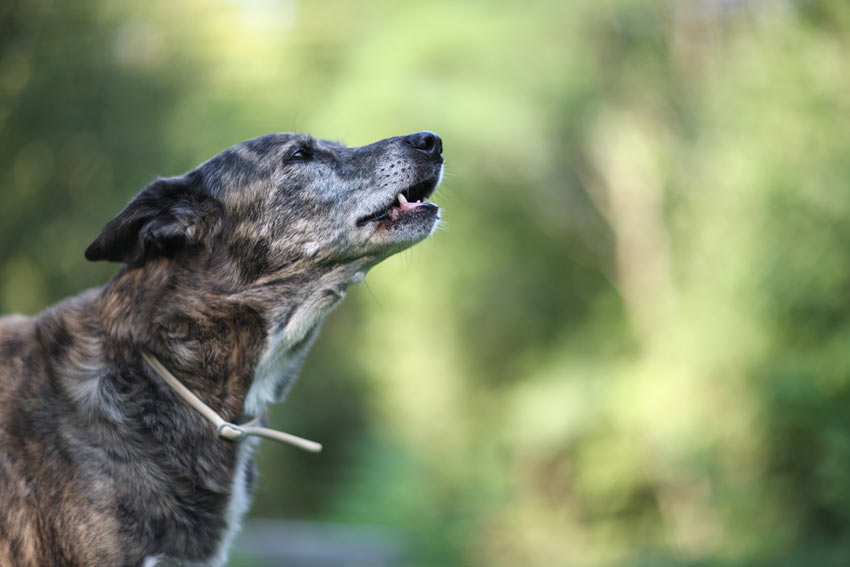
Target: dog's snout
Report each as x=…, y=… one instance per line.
x=427, y=142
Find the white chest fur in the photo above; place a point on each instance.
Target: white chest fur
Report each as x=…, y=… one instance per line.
x=240, y=499
x=285, y=350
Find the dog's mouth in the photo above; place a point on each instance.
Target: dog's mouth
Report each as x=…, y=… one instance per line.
x=407, y=202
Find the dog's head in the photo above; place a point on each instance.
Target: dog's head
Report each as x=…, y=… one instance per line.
x=284, y=198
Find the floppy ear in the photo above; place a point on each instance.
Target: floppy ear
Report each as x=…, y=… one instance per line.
x=166, y=216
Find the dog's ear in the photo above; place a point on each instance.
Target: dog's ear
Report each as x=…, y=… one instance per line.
x=166, y=216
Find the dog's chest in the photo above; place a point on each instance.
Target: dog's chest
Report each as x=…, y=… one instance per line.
x=240, y=498
x=237, y=506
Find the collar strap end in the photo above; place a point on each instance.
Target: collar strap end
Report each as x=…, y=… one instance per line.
x=230, y=431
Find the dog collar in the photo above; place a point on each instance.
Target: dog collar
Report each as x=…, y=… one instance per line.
x=225, y=429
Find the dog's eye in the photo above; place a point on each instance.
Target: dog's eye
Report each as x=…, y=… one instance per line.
x=300, y=154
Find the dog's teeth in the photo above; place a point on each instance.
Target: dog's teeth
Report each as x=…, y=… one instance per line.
x=401, y=199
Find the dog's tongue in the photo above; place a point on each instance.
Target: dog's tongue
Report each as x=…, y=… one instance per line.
x=402, y=206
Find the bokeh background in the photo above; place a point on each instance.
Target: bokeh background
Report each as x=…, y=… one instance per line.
x=629, y=344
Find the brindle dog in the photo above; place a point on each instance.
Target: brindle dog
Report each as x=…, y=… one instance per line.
x=228, y=272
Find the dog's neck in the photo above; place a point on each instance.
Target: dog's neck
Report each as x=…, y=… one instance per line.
x=293, y=331
x=237, y=349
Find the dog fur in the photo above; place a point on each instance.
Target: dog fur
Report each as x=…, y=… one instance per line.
x=228, y=272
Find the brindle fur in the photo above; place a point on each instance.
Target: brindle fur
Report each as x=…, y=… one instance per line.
x=228, y=271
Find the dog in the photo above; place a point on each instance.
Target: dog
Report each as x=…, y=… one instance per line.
x=228, y=272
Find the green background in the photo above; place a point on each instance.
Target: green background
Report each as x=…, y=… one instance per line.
x=629, y=343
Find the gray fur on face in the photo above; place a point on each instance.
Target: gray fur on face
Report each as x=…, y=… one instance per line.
x=228, y=272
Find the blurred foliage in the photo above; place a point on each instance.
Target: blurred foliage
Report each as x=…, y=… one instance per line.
x=630, y=344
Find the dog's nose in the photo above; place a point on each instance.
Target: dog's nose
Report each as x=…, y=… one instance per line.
x=427, y=142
